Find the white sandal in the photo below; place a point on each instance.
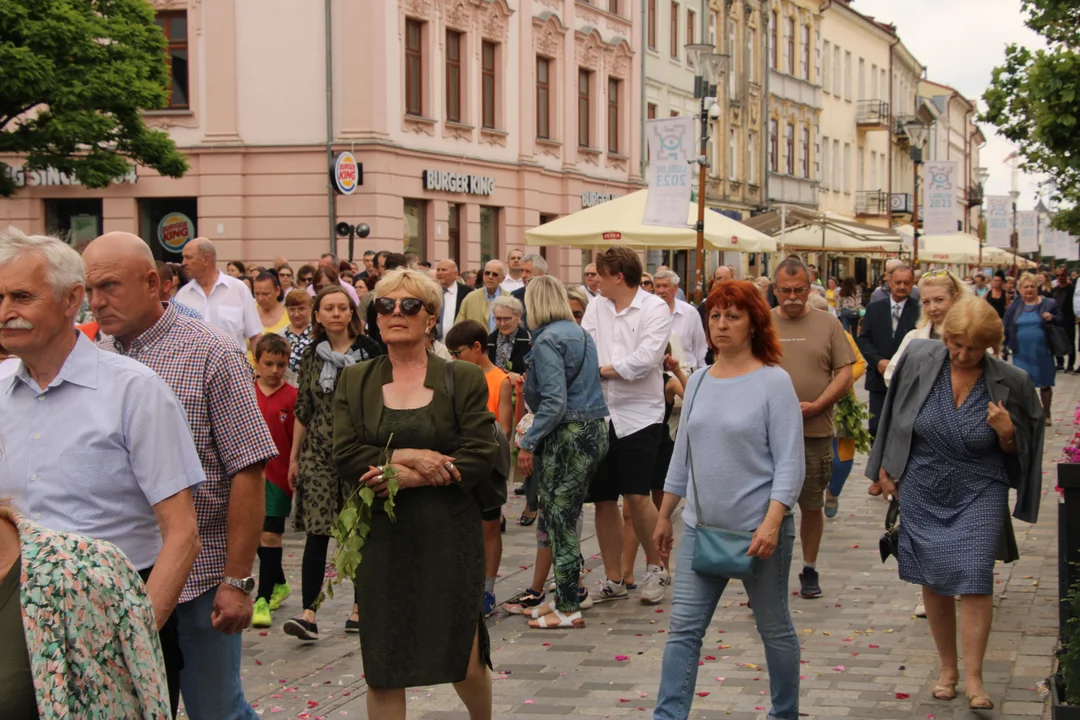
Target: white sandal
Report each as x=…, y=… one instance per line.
x=573, y=620
x=534, y=613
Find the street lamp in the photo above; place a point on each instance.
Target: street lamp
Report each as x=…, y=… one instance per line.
x=1015, y=195
x=981, y=176
x=916, y=133
x=711, y=66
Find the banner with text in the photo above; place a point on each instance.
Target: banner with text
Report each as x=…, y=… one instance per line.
x=939, y=205
x=1028, y=231
x=1054, y=246
x=671, y=150
x=999, y=221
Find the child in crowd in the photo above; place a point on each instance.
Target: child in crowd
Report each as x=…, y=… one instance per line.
x=277, y=401
x=467, y=341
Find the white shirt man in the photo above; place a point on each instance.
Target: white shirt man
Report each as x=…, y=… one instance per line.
x=229, y=305
x=514, y=280
x=685, y=320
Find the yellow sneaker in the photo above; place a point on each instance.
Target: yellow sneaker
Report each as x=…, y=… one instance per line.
x=279, y=594
x=260, y=615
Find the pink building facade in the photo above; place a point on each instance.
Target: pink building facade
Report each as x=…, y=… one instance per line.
x=472, y=121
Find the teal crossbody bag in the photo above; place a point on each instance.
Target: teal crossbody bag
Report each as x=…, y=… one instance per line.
x=717, y=552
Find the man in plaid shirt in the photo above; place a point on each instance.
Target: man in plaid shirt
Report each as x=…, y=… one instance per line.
x=212, y=379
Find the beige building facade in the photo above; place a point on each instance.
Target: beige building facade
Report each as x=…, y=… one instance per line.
x=956, y=137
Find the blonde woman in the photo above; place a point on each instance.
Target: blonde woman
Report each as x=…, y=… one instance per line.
x=938, y=292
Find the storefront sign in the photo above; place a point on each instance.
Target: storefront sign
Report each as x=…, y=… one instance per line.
x=939, y=210
x=591, y=198
x=671, y=150
x=458, y=183
x=174, y=231
x=347, y=173
x=1027, y=224
x=999, y=221
x=51, y=177
x=612, y=236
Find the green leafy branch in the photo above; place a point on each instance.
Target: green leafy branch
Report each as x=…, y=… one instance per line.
x=353, y=524
x=849, y=418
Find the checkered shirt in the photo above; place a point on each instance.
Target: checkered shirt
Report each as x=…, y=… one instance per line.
x=212, y=379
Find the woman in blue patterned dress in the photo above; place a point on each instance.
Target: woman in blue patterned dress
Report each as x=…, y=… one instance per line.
x=1027, y=325
x=958, y=428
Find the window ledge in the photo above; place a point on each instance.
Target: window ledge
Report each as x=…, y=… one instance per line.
x=452, y=124
x=548, y=141
x=418, y=124
x=188, y=112
x=588, y=150
x=494, y=131
x=491, y=136
x=420, y=119
x=617, y=156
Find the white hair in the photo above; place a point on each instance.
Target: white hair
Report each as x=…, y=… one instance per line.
x=667, y=275
x=64, y=266
x=538, y=262
x=208, y=249
x=507, y=302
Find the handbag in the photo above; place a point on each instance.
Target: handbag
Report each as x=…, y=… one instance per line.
x=1059, y=341
x=717, y=552
x=889, y=544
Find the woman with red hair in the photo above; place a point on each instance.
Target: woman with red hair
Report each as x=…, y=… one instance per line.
x=742, y=432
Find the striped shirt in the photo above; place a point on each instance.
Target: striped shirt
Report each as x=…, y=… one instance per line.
x=211, y=377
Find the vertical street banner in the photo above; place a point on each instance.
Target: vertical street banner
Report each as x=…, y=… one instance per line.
x=671, y=177
x=999, y=221
x=1050, y=243
x=1028, y=231
x=939, y=205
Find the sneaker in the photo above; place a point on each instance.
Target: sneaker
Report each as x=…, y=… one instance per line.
x=607, y=590
x=810, y=587
x=260, y=615
x=489, y=603
x=655, y=584
x=301, y=629
x=585, y=600
x=278, y=596
x=530, y=599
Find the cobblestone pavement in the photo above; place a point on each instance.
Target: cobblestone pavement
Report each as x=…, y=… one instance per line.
x=865, y=655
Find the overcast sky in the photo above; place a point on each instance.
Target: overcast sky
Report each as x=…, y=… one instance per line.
x=960, y=42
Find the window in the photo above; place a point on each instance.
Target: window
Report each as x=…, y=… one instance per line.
x=860, y=169
x=847, y=167
x=453, y=232
x=613, y=7
x=774, y=145
x=690, y=17
x=873, y=165
x=543, y=98
x=789, y=48
x=751, y=69
x=675, y=30
x=674, y=113
x=489, y=234
x=816, y=77
x=884, y=87
x=789, y=148
x=487, y=56
x=714, y=24
x=415, y=212
x=583, y=102
x=862, y=80
x=613, y=116
x=804, y=153
x=174, y=25
x=847, y=75
x=804, y=62
x=650, y=111
x=774, y=44
x=733, y=155
x=652, y=24
x=826, y=77
x=873, y=83
x=733, y=70
x=836, y=69
x=836, y=165
x=453, y=76
x=752, y=175
x=825, y=164
x=414, y=62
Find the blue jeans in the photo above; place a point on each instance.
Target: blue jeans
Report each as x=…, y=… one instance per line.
x=841, y=469
x=210, y=680
x=692, y=608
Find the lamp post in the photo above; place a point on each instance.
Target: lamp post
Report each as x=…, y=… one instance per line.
x=916, y=133
x=981, y=176
x=711, y=65
x=1015, y=195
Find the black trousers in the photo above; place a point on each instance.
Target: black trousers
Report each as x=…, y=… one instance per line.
x=877, y=402
x=170, y=650
x=1070, y=330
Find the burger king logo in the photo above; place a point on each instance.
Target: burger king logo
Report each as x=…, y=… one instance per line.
x=174, y=231
x=346, y=173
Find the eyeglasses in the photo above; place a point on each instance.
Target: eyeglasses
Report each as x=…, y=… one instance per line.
x=409, y=306
x=792, y=291
x=500, y=320
x=305, y=278
x=285, y=274
x=647, y=282
x=492, y=273
x=588, y=274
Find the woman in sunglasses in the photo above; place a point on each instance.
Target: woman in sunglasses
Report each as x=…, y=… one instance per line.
x=286, y=276
x=337, y=341
x=304, y=276
x=421, y=580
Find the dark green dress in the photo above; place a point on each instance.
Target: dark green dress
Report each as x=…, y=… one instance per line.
x=421, y=581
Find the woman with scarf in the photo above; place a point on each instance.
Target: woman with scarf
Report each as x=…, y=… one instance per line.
x=337, y=342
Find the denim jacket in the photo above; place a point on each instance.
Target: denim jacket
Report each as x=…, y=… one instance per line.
x=560, y=348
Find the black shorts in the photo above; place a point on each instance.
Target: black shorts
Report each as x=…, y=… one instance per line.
x=663, y=459
x=274, y=524
x=628, y=466
x=489, y=515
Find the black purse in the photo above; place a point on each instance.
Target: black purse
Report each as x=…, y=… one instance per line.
x=1059, y=340
x=889, y=544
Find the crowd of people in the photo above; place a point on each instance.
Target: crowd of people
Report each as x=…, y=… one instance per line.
x=286, y=392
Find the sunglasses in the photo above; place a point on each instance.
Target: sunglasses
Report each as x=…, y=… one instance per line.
x=490, y=273
x=937, y=273
x=285, y=274
x=590, y=274
x=409, y=306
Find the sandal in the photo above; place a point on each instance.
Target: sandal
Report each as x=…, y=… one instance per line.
x=573, y=620
x=944, y=692
x=832, y=507
x=977, y=702
x=528, y=601
x=526, y=521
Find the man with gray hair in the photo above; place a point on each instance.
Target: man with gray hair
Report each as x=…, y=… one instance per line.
x=454, y=292
x=686, y=323
x=883, y=291
x=93, y=443
x=532, y=265
x=477, y=305
x=223, y=301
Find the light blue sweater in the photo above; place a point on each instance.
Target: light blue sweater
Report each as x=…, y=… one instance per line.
x=747, y=438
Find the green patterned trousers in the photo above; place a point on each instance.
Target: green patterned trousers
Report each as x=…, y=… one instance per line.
x=564, y=465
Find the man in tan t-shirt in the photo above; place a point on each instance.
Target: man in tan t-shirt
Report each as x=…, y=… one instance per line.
x=818, y=358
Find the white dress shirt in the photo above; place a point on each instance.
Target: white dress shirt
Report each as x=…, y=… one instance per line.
x=8, y=367
x=449, y=310
x=633, y=342
x=230, y=307
x=686, y=324
x=510, y=284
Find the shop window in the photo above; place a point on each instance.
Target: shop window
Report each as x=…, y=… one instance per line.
x=414, y=62
x=415, y=235
x=76, y=221
x=489, y=234
x=167, y=224
x=488, y=85
x=453, y=76
x=174, y=25
x=543, y=98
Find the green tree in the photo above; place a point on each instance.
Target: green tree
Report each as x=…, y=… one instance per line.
x=75, y=76
x=1034, y=101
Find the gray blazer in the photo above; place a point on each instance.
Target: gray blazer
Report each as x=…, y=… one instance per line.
x=911, y=384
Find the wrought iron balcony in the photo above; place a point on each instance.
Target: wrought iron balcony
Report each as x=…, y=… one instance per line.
x=974, y=195
x=872, y=115
x=871, y=203
x=900, y=123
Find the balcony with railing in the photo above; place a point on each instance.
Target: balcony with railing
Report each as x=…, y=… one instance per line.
x=974, y=195
x=872, y=115
x=871, y=203
x=900, y=123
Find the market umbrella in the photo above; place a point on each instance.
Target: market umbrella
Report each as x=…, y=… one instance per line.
x=618, y=222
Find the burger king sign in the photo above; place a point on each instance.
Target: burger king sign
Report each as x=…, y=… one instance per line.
x=174, y=231
x=346, y=173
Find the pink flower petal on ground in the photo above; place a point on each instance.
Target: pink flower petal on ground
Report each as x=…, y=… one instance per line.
x=659, y=610
x=709, y=657
x=702, y=693
x=874, y=647
x=902, y=696
x=840, y=668
x=312, y=704
x=547, y=644
x=759, y=708
x=530, y=702
x=621, y=658
x=720, y=679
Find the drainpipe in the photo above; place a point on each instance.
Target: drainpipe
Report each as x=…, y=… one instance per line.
x=644, y=98
x=892, y=125
x=967, y=172
x=766, y=141
x=330, y=197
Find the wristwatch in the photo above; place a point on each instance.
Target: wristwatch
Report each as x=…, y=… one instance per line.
x=244, y=585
